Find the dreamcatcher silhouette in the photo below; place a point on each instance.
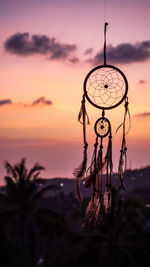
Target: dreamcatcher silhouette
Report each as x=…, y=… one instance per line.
x=105, y=87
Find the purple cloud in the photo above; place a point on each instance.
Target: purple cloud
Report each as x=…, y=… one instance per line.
x=74, y=60
x=24, y=45
x=42, y=100
x=142, y=115
x=124, y=53
x=89, y=51
x=5, y=102
x=142, y=81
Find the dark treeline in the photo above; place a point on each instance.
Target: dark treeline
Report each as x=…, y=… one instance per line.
x=48, y=230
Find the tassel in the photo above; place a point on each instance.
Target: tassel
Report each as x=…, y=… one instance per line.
x=83, y=116
x=108, y=162
x=92, y=210
x=122, y=162
x=80, y=171
x=123, y=151
x=127, y=112
x=96, y=165
x=79, y=195
x=108, y=157
x=109, y=171
x=107, y=201
x=91, y=178
x=100, y=168
x=99, y=158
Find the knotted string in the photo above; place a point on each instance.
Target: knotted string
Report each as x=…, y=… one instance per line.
x=92, y=170
x=83, y=113
x=83, y=119
x=123, y=152
x=105, y=29
x=127, y=112
x=100, y=168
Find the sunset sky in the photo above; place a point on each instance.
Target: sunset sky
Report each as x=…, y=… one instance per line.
x=47, y=47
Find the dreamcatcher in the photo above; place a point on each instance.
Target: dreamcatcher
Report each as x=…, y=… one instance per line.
x=105, y=87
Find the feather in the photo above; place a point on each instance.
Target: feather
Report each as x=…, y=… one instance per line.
x=107, y=200
x=92, y=210
x=79, y=172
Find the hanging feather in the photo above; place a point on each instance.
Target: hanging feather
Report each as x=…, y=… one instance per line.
x=127, y=112
x=107, y=201
x=84, y=119
x=122, y=162
x=99, y=164
x=91, y=178
x=107, y=163
x=80, y=171
x=123, y=151
x=96, y=165
x=92, y=210
x=79, y=195
x=100, y=169
x=97, y=204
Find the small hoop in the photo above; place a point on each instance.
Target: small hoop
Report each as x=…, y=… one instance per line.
x=102, y=127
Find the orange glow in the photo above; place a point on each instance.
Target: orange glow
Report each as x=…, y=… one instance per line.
x=54, y=129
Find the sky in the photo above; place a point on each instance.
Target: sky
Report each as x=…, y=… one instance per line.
x=47, y=48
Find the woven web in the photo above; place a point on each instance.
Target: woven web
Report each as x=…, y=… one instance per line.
x=102, y=127
x=105, y=87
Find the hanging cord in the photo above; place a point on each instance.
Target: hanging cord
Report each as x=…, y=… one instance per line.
x=79, y=195
x=123, y=152
x=127, y=112
x=100, y=168
x=122, y=162
x=92, y=210
x=92, y=170
x=108, y=165
x=83, y=113
x=83, y=119
x=105, y=29
x=105, y=8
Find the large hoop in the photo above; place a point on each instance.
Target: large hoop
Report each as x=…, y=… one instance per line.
x=105, y=87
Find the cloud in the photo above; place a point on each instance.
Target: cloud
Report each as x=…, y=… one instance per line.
x=89, y=51
x=39, y=101
x=5, y=102
x=142, y=81
x=42, y=100
x=74, y=60
x=24, y=45
x=144, y=114
x=124, y=53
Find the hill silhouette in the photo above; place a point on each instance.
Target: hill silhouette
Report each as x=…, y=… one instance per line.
x=136, y=181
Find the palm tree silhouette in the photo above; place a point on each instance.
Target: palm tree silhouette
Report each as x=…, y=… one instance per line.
x=22, y=197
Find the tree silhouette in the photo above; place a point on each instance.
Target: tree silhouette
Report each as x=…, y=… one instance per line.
x=119, y=240
x=21, y=199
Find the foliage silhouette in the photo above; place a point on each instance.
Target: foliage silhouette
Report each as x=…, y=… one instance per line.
x=120, y=239
x=21, y=200
x=35, y=227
